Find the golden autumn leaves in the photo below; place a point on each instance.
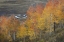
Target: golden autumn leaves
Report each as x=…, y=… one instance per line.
x=40, y=18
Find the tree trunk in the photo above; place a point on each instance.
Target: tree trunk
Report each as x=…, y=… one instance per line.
x=54, y=26
x=24, y=39
x=14, y=36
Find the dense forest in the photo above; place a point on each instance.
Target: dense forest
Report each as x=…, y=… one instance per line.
x=44, y=23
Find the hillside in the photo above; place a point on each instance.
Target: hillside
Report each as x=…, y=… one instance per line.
x=17, y=6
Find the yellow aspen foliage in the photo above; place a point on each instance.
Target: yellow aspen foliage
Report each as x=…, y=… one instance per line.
x=30, y=27
x=22, y=32
x=53, y=12
x=31, y=33
x=53, y=7
x=41, y=23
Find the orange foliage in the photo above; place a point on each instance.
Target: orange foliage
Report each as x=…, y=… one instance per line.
x=12, y=23
x=39, y=8
x=3, y=21
x=39, y=18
